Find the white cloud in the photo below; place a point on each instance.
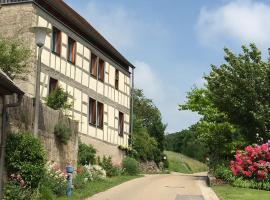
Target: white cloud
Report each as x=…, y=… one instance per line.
x=244, y=21
x=114, y=22
x=146, y=79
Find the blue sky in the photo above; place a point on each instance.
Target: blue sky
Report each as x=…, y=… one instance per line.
x=172, y=43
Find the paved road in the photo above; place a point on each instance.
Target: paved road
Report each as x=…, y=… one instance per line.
x=161, y=187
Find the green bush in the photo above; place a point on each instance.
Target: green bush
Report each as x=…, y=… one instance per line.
x=62, y=132
x=224, y=173
x=25, y=156
x=107, y=165
x=245, y=183
x=81, y=179
x=45, y=192
x=86, y=154
x=53, y=183
x=58, y=99
x=130, y=165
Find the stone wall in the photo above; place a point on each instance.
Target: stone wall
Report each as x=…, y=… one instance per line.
x=15, y=23
x=104, y=148
x=22, y=117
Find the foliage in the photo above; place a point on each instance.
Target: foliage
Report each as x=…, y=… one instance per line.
x=253, y=162
x=107, y=165
x=95, y=172
x=25, y=156
x=130, y=166
x=58, y=99
x=86, y=154
x=14, y=56
x=148, y=116
x=188, y=143
x=240, y=89
x=13, y=191
x=81, y=179
x=55, y=179
x=145, y=146
x=62, y=132
x=129, y=151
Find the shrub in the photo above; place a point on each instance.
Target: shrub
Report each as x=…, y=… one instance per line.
x=253, y=162
x=224, y=173
x=55, y=179
x=81, y=179
x=95, y=172
x=25, y=156
x=130, y=165
x=86, y=154
x=58, y=99
x=62, y=132
x=107, y=165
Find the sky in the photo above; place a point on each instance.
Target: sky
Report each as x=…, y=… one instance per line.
x=173, y=43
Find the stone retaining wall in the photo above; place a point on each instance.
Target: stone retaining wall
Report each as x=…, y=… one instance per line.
x=22, y=118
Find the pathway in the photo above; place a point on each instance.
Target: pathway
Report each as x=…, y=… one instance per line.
x=173, y=186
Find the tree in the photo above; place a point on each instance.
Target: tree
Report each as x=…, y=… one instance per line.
x=240, y=89
x=149, y=117
x=14, y=56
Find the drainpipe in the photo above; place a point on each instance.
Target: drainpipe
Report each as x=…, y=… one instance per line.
x=4, y=138
x=132, y=105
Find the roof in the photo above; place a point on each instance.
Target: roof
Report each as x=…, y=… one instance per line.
x=7, y=86
x=78, y=24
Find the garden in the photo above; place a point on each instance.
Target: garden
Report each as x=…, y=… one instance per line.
x=30, y=176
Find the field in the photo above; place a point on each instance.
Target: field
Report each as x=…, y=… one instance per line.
x=183, y=164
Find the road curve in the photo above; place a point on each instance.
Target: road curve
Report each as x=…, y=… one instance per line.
x=173, y=186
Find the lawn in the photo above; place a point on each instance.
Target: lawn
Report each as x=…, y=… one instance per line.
x=183, y=164
x=227, y=192
x=97, y=186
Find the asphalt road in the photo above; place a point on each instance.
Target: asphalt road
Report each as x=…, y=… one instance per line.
x=160, y=187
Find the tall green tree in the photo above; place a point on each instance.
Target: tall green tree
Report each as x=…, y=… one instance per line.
x=14, y=57
x=240, y=88
x=149, y=117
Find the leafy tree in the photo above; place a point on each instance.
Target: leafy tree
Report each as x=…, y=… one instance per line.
x=58, y=99
x=149, y=117
x=240, y=89
x=14, y=56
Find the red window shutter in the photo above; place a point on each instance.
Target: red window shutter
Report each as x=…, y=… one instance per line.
x=58, y=42
x=100, y=114
x=93, y=65
x=101, y=69
x=73, y=52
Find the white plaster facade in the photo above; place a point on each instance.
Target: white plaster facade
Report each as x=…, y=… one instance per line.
x=77, y=80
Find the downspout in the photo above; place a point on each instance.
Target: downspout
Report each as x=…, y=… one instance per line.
x=4, y=138
x=132, y=108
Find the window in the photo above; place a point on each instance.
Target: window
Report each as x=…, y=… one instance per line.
x=71, y=50
x=53, y=84
x=100, y=115
x=92, y=111
x=101, y=65
x=121, y=124
x=116, y=79
x=96, y=112
x=93, y=68
x=56, y=41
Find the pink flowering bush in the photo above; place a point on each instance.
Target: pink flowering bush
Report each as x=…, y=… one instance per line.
x=253, y=162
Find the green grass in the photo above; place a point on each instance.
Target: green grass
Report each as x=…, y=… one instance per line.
x=183, y=164
x=227, y=192
x=97, y=186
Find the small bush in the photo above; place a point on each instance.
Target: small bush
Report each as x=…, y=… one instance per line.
x=62, y=132
x=58, y=99
x=107, y=165
x=224, y=173
x=55, y=179
x=81, y=179
x=130, y=165
x=25, y=156
x=86, y=154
